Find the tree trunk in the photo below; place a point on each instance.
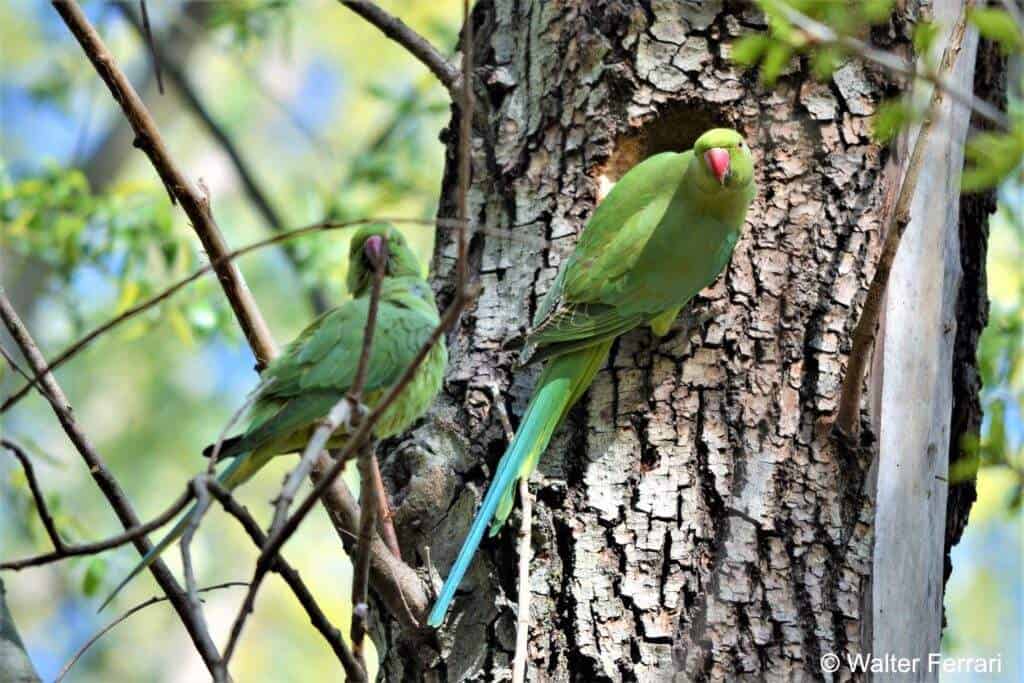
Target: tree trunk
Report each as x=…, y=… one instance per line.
x=695, y=517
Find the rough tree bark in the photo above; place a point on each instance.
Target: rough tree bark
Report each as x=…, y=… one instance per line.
x=695, y=518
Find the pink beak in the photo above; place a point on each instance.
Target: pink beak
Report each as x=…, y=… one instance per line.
x=374, y=248
x=718, y=161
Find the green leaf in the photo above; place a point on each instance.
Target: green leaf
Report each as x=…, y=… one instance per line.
x=990, y=159
x=95, y=573
x=748, y=49
x=775, y=61
x=890, y=118
x=924, y=37
x=825, y=61
x=877, y=11
x=997, y=25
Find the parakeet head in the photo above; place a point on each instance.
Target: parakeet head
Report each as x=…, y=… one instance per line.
x=723, y=160
x=378, y=244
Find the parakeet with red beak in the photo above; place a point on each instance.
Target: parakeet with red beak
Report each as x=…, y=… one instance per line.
x=664, y=232
x=317, y=369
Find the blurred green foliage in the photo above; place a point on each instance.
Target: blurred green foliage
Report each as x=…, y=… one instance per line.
x=992, y=157
x=336, y=122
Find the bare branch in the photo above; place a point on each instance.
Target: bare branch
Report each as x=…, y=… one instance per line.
x=418, y=46
x=148, y=33
x=294, y=581
x=465, y=141
x=259, y=198
x=848, y=415
x=105, y=480
x=818, y=33
x=397, y=584
x=181, y=190
x=172, y=289
x=385, y=519
x=523, y=616
x=138, y=608
x=361, y=565
x=62, y=550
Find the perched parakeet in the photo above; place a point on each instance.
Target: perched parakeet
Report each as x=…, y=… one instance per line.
x=317, y=369
x=664, y=232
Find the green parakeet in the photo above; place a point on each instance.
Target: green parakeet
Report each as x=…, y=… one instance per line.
x=317, y=369
x=664, y=232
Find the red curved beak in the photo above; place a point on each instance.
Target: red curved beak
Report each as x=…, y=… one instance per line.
x=717, y=160
x=375, y=250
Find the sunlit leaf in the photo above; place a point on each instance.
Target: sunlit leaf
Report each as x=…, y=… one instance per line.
x=997, y=25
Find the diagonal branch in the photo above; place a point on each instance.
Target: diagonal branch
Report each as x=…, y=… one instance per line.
x=138, y=608
x=181, y=190
x=848, y=415
x=173, y=288
x=193, y=622
x=294, y=581
x=418, y=46
x=61, y=549
x=259, y=198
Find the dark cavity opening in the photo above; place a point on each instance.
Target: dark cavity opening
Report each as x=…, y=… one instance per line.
x=674, y=130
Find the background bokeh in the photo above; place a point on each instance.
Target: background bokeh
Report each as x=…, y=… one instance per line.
x=334, y=120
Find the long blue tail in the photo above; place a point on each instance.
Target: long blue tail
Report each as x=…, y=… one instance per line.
x=560, y=385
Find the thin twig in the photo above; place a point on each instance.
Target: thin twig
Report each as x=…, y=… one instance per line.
x=294, y=581
x=63, y=550
x=523, y=616
x=148, y=32
x=395, y=582
x=181, y=190
x=201, y=492
x=37, y=495
x=385, y=518
x=361, y=564
x=138, y=608
x=418, y=46
x=175, y=287
x=253, y=396
x=257, y=196
x=105, y=481
x=819, y=34
x=465, y=141
x=848, y=414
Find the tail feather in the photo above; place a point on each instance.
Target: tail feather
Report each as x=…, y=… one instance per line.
x=240, y=470
x=563, y=381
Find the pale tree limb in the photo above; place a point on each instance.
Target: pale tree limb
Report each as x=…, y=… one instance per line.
x=848, y=414
x=418, y=46
x=523, y=608
x=180, y=188
x=138, y=608
x=106, y=482
x=465, y=140
x=62, y=550
x=525, y=525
